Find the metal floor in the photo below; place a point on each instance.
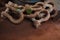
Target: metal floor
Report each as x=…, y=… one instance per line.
x=49, y=30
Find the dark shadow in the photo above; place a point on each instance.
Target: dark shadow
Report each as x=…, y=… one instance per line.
x=57, y=17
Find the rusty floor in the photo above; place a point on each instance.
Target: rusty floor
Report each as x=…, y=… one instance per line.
x=49, y=30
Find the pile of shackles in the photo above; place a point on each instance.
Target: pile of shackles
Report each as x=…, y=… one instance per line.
x=38, y=13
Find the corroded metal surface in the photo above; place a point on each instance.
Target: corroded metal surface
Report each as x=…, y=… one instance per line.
x=24, y=31
x=50, y=30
